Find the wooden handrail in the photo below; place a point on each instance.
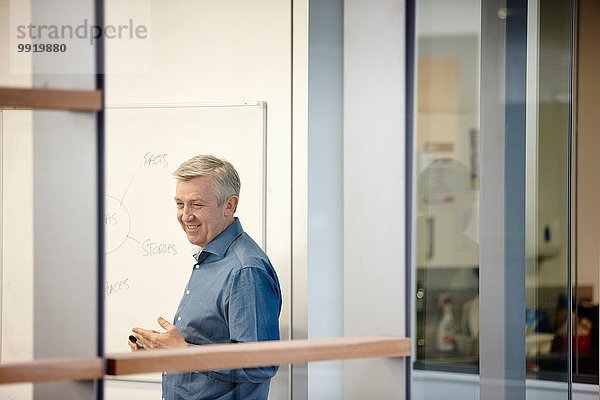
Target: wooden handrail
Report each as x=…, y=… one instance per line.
x=51, y=99
x=52, y=369
x=243, y=355
x=204, y=358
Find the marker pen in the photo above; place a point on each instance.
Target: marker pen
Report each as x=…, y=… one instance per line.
x=133, y=339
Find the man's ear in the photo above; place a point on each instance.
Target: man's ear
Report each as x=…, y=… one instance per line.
x=231, y=205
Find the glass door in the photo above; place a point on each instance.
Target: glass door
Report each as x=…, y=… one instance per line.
x=493, y=299
x=585, y=193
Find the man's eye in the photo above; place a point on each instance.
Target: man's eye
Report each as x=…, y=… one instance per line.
x=179, y=205
x=197, y=205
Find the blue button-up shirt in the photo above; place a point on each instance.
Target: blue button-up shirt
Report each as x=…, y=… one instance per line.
x=233, y=295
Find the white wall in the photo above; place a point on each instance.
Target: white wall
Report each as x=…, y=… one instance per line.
x=9, y=77
x=16, y=261
x=374, y=190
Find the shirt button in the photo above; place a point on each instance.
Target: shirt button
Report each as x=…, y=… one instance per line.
x=178, y=318
x=196, y=266
x=187, y=292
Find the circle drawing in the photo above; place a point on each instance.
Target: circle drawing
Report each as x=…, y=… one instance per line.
x=117, y=224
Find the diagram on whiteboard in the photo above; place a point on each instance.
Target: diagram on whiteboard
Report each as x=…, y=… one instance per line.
x=117, y=219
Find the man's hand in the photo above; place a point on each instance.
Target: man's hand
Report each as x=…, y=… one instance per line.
x=134, y=347
x=171, y=339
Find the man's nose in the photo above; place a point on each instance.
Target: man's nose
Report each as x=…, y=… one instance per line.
x=187, y=213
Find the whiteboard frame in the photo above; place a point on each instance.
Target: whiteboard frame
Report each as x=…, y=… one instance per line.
x=262, y=105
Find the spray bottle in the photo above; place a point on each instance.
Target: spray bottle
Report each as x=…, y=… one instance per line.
x=445, y=330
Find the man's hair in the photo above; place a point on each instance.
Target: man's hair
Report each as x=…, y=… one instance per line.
x=224, y=176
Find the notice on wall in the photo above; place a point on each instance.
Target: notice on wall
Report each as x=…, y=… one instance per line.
x=440, y=186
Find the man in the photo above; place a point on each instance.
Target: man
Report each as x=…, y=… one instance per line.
x=233, y=294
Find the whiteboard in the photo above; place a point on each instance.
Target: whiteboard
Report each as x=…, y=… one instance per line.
x=148, y=257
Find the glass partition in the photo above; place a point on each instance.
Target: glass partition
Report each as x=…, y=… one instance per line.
x=586, y=231
x=547, y=246
x=450, y=103
x=447, y=186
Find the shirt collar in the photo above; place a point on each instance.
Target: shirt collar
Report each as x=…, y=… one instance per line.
x=223, y=240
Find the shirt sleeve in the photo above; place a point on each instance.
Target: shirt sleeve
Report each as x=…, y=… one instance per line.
x=253, y=315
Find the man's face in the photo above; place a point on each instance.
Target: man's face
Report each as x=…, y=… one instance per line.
x=200, y=216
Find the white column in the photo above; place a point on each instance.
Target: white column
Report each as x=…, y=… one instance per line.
x=374, y=190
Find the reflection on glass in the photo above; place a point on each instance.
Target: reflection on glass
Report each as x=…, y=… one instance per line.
x=586, y=261
x=447, y=158
x=547, y=290
x=447, y=201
